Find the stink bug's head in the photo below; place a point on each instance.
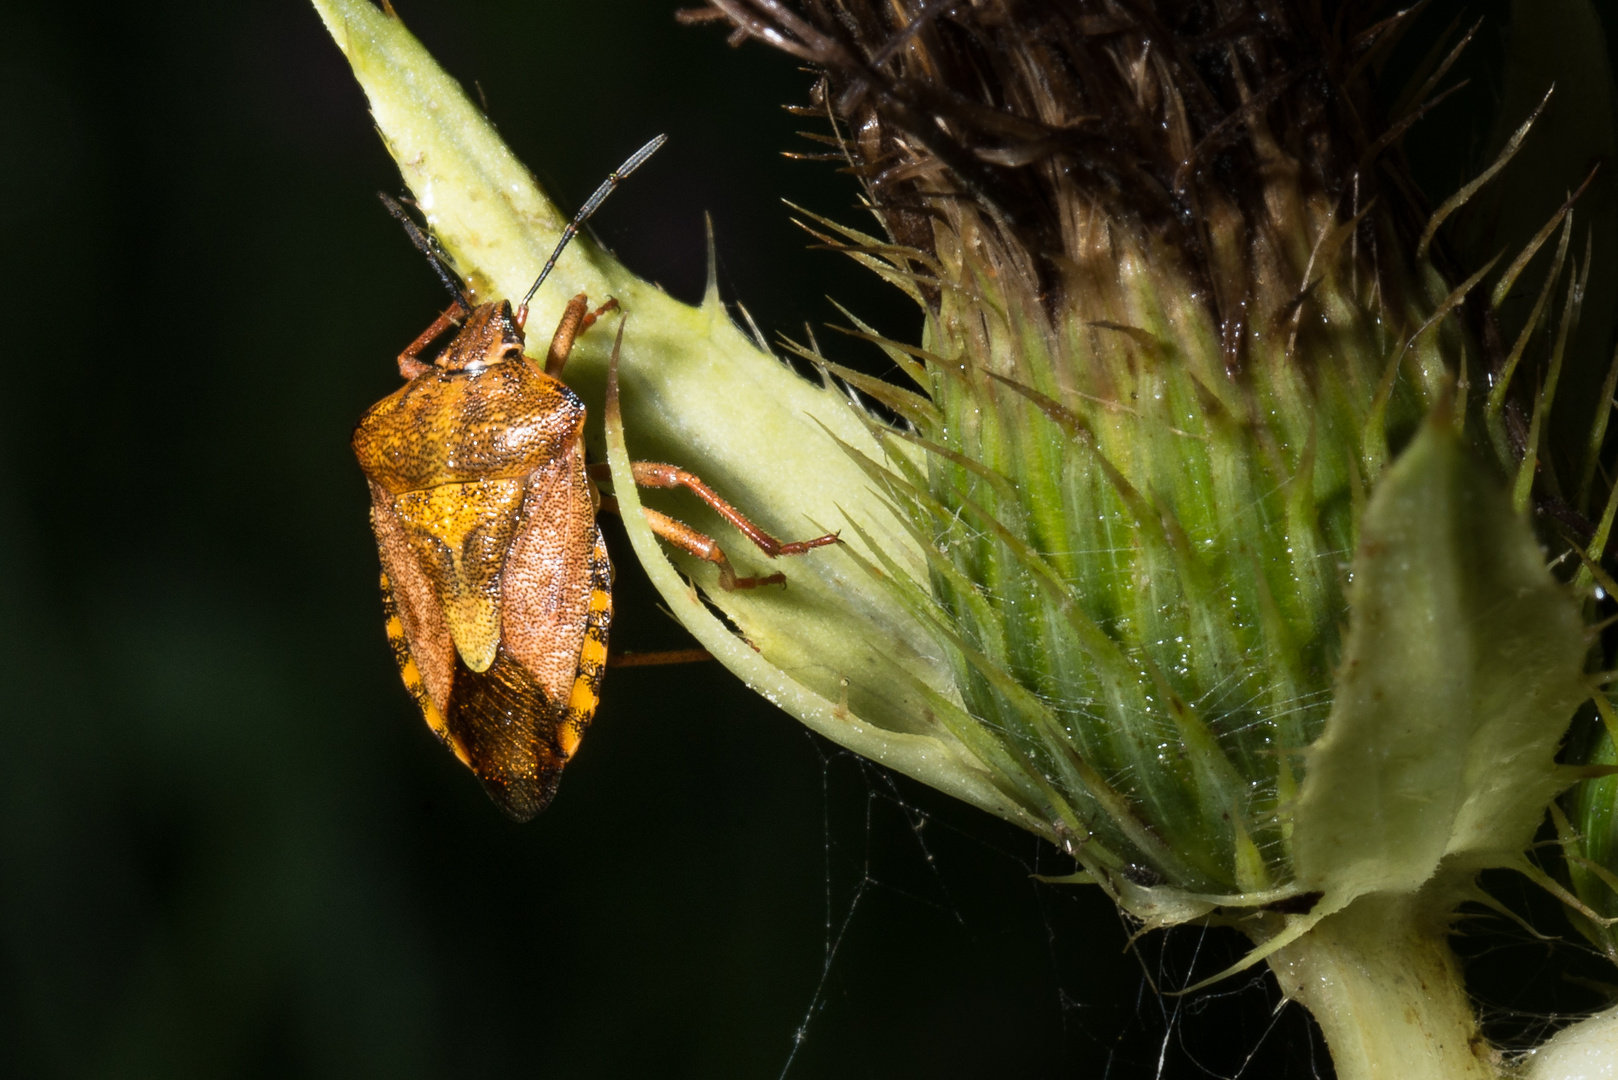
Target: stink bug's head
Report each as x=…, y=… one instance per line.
x=490, y=335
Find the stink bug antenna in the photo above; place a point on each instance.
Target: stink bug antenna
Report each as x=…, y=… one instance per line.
x=425, y=245
x=591, y=205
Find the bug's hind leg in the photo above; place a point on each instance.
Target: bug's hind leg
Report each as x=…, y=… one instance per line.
x=701, y=545
x=654, y=475
x=683, y=536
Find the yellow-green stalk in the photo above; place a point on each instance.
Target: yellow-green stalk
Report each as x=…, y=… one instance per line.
x=1198, y=547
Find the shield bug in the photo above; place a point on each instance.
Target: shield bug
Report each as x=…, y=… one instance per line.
x=495, y=580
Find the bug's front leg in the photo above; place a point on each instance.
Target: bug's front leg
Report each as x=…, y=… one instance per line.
x=576, y=319
x=410, y=362
x=656, y=475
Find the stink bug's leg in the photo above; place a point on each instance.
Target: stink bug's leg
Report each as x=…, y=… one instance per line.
x=654, y=659
x=576, y=319
x=688, y=539
x=653, y=475
x=410, y=364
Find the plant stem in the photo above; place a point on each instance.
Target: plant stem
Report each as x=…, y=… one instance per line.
x=1385, y=988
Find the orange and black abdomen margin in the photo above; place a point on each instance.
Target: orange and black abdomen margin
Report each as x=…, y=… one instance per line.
x=500, y=722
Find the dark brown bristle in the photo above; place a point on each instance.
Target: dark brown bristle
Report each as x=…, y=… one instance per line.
x=1172, y=115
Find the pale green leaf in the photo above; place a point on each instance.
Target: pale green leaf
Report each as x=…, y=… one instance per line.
x=1461, y=670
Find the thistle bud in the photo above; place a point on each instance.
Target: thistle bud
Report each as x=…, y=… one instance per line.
x=1178, y=325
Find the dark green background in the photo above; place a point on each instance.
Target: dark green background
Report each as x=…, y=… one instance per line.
x=228, y=845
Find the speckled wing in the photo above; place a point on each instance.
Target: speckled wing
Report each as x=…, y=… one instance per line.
x=546, y=586
x=416, y=627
